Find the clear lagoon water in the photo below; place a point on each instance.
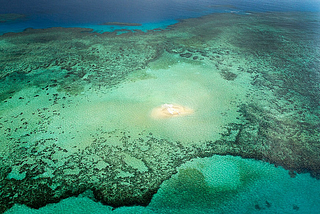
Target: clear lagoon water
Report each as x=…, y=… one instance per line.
x=163, y=106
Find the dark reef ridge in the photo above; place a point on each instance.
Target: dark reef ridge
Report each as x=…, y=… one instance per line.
x=10, y=17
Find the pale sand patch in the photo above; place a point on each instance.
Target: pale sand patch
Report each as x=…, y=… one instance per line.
x=205, y=101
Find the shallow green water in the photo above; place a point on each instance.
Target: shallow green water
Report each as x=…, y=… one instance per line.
x=76, y=117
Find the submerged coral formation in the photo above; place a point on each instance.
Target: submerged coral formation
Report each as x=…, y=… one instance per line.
x=75, y=105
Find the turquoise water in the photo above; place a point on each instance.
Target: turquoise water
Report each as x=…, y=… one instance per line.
x=179, y=107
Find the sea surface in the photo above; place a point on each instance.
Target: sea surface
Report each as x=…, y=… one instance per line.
x=152, y=14
x=159, y=106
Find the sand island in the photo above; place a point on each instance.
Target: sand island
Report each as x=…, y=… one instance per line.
x=170, y=110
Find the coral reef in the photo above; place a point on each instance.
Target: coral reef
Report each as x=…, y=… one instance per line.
x=60, y=87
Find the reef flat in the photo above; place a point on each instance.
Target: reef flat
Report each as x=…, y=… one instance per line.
x=75, y=105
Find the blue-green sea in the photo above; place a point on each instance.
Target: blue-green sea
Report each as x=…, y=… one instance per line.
x=165, y=107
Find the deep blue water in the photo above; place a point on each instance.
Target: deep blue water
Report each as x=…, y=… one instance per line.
x=151, y=13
